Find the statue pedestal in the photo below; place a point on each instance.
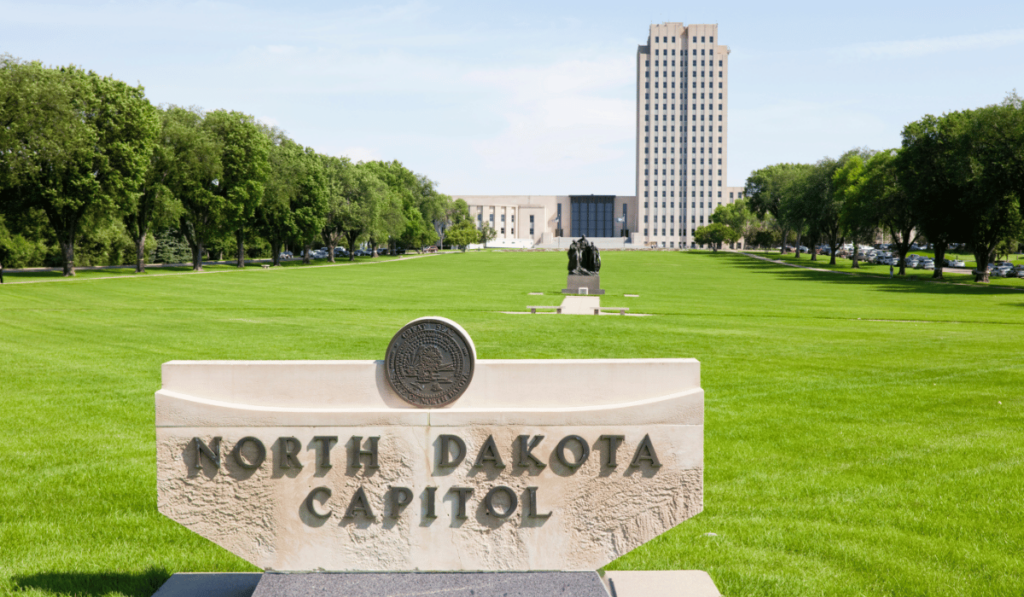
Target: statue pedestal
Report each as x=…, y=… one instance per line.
x=592, y=284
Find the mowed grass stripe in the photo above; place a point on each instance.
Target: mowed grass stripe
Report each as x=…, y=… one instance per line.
x=843, y=456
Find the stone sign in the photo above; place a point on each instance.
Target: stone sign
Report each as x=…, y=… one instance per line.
x=392, y=466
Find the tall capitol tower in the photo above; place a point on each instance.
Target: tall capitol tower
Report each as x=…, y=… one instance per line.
x=682, y=120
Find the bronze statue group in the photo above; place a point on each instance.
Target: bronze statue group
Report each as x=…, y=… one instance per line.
x=584, y=258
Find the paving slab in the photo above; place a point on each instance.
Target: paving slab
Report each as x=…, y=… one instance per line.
x=660, y=583
x=434, y=584
x=580, y=305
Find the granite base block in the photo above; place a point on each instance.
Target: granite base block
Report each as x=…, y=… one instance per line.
x=435, y=584
x=210, y=584
x=575, y=282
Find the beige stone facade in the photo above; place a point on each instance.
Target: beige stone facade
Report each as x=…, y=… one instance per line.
x=544, y=218
x=682, y=138
x=682, y=153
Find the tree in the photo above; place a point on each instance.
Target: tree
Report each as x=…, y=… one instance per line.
x=417, y=233
x=274, y=216
x=463, y=234
x=927, y=166
x=715, y=234
x=883, y=191
x=336, y=176
x=72, y=144
x=487, y=233
x=771, y=190
x=991, y=154
x=245, y=155
x=154, y=204
x=818, y=203
x=736, y=216
x=365, y=196
x=311, y=202
x=196, y=159
x=859, y=213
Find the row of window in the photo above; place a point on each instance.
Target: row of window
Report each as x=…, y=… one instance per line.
x=657, y=63
x=664, y=129
x=647, y=85
x=692, y=172
x=480, y=217
x=682, y=74
x=672, y=183
x=683, y=139
x=647, y=96
x=673, y=194
x=657, y=38
x=681, y=149
x=663, y=161
x=682, y=108
x=681, y=204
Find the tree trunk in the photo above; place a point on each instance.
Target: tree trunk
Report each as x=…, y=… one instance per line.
x=305, y=253
x=856, y=254
x=798, y=235
x=785, y=239
x=940, y=256
x=981, y=269
x=140, y=254
x=275, y=252
x=197, y=257
x=240, y=238
x=67, y=248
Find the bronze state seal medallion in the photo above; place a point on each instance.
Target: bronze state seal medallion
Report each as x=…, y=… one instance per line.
x=430, y=362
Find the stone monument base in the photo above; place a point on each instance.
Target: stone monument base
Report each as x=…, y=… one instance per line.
x=677, y=583
x=588, y=284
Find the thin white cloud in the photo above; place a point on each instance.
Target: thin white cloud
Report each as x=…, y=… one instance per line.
x=562, y=115
x=934, y=45
x=360, y=154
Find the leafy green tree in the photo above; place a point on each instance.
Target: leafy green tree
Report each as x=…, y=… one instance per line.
x=311, y=202
x=927, y=165
x=337, y=173
x=773, y=190
x=992, y=169
x=154, y=205
x=365, y=196
x=487, y=233
x=417, y=233
x=859, y=214
x=715, y=234
x=72, y=144
x=274, y=216
x=737, y=216
x=245, y=166
x=196, y=171
x=882, y=195
x=463, y=234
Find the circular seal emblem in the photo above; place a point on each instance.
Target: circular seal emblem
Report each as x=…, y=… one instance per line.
x=430, y=362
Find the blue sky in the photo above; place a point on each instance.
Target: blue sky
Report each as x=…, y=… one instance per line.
x=536, y=97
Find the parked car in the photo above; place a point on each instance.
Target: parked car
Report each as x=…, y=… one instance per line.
x=926, y=264
x=285, y=255
x=340, y=252
x=956, y=263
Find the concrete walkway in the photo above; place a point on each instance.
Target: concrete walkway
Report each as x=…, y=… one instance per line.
x=580, y=305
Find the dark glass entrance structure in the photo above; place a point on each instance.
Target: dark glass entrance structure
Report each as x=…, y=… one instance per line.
x=593, y=215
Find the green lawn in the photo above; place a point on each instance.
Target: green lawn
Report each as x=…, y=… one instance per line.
x=863, y=436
